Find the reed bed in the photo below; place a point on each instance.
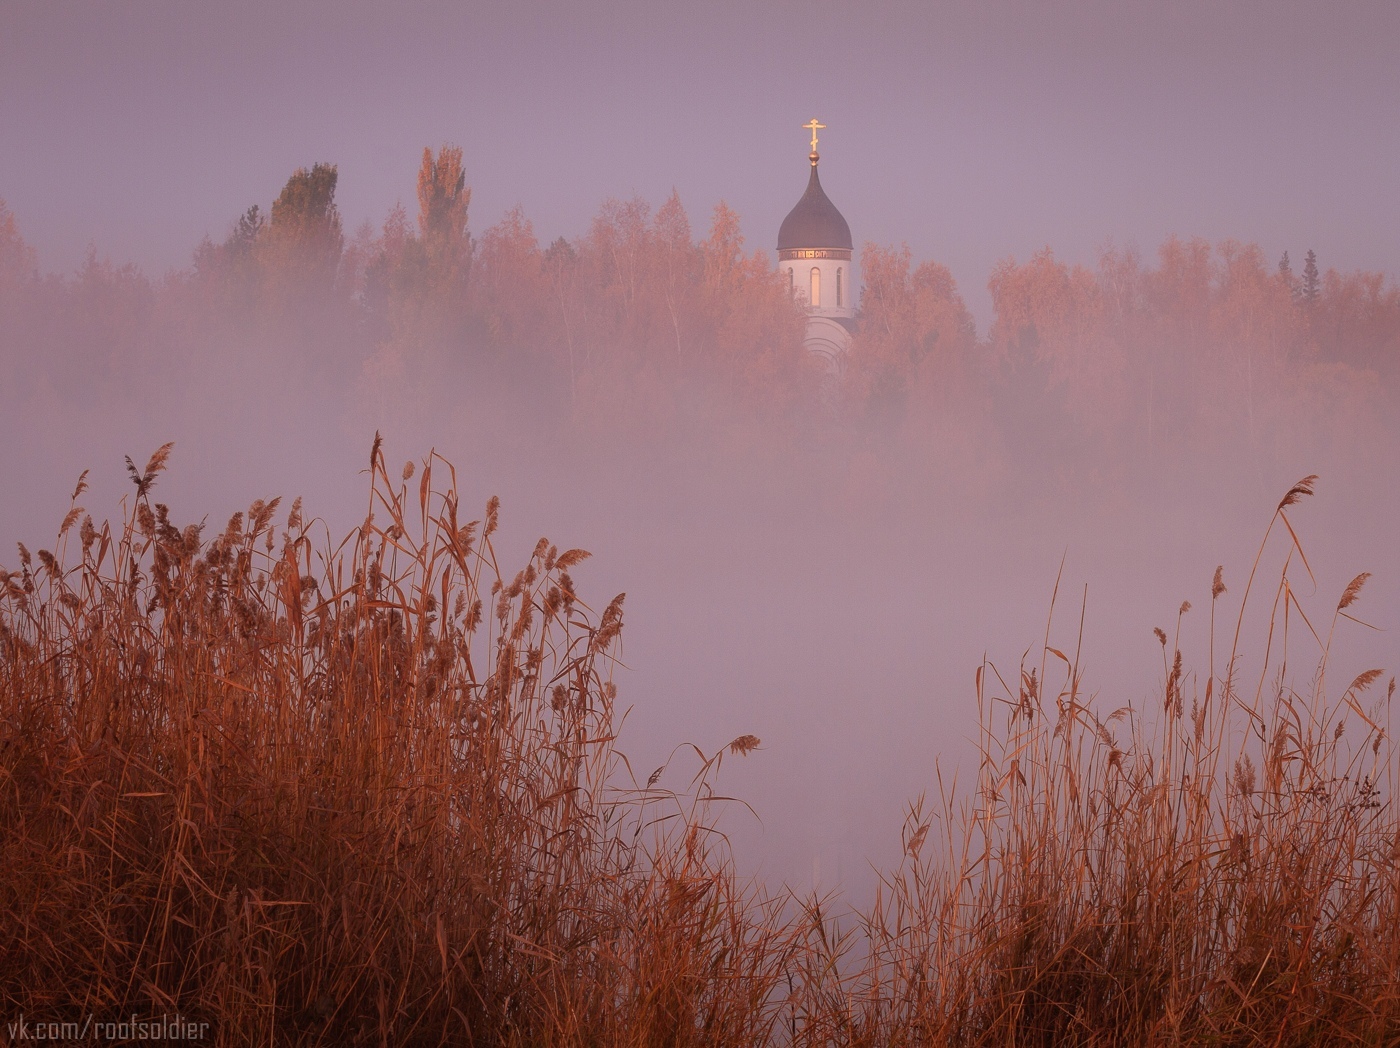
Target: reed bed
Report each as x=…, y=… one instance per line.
x=368, y=793
x=1219, y=865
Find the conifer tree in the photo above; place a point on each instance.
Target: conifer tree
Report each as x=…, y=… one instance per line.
x=231, y=268
x=1311, y=285
x=245, y=233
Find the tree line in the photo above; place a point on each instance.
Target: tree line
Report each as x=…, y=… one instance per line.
x=641, y=326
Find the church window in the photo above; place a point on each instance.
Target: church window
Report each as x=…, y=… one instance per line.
x=838, y=287
x=816, y=287
x=790, y=272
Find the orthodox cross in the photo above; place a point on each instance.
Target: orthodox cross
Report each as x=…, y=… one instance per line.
x=814, y=127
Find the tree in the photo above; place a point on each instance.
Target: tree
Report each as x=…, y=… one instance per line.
x=1254, y=326
x=443, y=197
x=510, y=289
x=230, y=270
x=302, y=243
x=751, y=326
x=245, y=233
x=1357, y=321
x=1176, y=347
x=561, y=267
x=722, y=252
x=382, y=271
x=915, y=337
x=1065, y=371
x=18, y=262
x=678, y=258
x=1312, y=284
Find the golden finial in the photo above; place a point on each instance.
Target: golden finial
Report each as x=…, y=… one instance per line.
x=814, y=127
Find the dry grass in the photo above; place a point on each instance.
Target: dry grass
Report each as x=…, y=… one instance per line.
x=367, y=793
x=364, y=794
x=1219, y=867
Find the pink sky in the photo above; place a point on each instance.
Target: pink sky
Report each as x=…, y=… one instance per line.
x=973, y=131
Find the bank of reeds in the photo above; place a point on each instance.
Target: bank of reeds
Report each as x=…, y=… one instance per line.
x=368, y=793
x=1219, y=865
x=362, y=793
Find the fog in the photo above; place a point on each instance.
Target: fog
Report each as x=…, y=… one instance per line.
x=823, y=562
x=828, y=577
x=845, y=637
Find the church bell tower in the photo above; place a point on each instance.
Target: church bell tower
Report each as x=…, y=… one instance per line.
x=814, y=250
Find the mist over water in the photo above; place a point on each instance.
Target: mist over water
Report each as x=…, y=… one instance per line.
x=823, y=579
x=1125, y=275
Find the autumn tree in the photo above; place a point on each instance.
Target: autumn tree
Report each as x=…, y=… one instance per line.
x=1175, y=341
x=245, y=233
x=888, y=345
x=385, y=256
x=300, y=248
x=946, y=376
x=229, y=272
x=1054, y=337
x=627, y=321
x=751, y=327
x=1254, y=328
x=415, y=283
x=904, y=319
x=443, y=198
x=912, y=373
x=561, y=270
x=18, y=262
x=1356, y=321
x=678, y=257
x=19, y=290
x=510, y=293
x=722, y=252
x=110, y=313
x=661, y=333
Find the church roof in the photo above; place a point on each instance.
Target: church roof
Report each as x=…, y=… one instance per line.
x=814, y=222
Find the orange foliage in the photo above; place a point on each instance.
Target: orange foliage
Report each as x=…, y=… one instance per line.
x=1054, y=320
x=914, y=348
x=18, y=263
x=1212, y=349
x=509, y=285
x=1356, y=320
x=638, y=329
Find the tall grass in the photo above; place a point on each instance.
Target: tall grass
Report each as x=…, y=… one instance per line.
x=367, y=793
x=362, y=793
x=1220, y=865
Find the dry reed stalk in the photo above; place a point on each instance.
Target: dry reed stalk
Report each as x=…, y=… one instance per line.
x=1226, y=873
x=366, y=792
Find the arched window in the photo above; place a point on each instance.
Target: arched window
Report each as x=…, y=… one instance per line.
x=816, y=287
x=838, y=287
x=790, y=281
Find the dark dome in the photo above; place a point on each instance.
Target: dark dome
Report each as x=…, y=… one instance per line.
x=814, y=222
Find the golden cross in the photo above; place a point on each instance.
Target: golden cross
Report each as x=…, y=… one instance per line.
x=814, y=127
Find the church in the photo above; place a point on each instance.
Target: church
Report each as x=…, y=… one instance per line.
x=814, y=249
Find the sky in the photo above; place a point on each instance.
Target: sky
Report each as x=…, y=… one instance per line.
x=972, y=132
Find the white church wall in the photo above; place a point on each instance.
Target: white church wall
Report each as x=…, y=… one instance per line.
x=829, y=341
x=799, y=273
